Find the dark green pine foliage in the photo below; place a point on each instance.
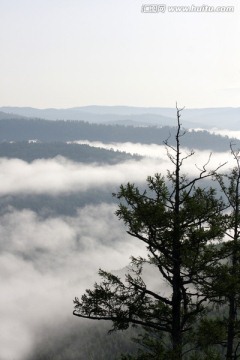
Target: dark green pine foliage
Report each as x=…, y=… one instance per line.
x=177, y=220
x=219, y=332
x=228, y=286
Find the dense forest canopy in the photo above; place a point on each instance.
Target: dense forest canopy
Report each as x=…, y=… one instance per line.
x=49, y=131
x=30, y=151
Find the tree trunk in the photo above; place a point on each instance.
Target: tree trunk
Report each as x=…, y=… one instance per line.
x=230, y=330
x=176, y=254
x=176, y=315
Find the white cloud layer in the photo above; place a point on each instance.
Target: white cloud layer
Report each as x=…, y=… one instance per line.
x=59, y=175
x=44, y=264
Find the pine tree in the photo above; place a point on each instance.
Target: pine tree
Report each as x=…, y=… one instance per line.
x=177, y=219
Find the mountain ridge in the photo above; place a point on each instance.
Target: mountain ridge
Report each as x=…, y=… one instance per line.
x=206, y=118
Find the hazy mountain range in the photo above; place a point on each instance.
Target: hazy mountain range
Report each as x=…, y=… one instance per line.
x=221, y=118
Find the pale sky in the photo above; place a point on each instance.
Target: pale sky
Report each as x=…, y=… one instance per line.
x=65, y=53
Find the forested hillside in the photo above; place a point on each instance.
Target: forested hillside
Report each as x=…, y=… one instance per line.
x=30, y=151
x=95, y=344
x=49, y=131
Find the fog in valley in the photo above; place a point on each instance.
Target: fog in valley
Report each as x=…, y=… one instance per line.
x=46, y=263
x=48, y=260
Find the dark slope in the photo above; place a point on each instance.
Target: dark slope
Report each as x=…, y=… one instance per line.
x=48, y=131
x=79, y=153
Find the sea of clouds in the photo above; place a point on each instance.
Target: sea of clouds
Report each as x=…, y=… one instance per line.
x=46, y=262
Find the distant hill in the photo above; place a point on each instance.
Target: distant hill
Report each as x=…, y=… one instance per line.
x=30, y=151
x=138, y=116
x=5, y=116
x=63, y=131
